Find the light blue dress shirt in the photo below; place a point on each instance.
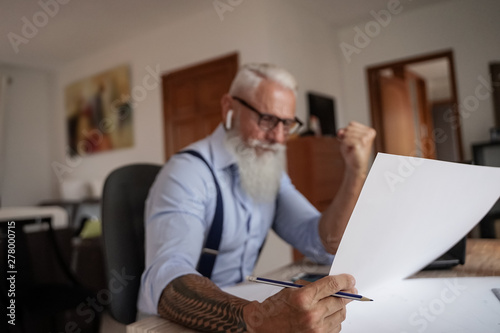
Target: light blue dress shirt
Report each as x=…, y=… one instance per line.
x=180, y=209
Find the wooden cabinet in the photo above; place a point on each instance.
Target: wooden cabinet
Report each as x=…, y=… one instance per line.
x=316, y=168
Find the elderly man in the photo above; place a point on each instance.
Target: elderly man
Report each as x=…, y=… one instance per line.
x=240, y=175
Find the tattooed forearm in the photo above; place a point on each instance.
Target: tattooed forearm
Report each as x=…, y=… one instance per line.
x=196, y=302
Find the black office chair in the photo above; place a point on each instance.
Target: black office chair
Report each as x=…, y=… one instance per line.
x=124, y=194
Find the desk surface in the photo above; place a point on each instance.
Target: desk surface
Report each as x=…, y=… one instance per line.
x=482, y=259
x=57, y=214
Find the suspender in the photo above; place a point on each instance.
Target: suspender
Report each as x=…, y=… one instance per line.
x=211, y=246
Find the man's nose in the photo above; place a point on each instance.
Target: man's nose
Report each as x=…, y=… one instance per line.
x=277, y=134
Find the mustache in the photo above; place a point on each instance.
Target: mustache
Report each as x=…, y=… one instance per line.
x=275, y=147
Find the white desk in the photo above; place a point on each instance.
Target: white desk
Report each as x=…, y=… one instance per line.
x=156, y=324
x=468, y=304
x=58, y=216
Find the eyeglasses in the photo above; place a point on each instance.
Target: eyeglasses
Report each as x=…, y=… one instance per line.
x=267, y=121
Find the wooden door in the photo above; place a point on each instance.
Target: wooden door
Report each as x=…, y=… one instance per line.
x=424, y=142
x=427, y=143
x=397, y=116
x=191, y=101
x=406, y=116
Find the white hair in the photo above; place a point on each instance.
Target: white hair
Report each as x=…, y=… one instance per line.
x=250, y=76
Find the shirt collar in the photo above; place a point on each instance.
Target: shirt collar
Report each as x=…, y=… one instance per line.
x=222, y=158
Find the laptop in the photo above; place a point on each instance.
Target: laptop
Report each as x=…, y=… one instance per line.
x=454, y=256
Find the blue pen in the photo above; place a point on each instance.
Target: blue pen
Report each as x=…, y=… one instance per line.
x=340, y=294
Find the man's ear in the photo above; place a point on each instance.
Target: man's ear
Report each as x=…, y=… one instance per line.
x=229, y=119
x=227, y=111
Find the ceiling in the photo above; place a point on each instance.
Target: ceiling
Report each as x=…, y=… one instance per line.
x=432, y=69
x=69, y=31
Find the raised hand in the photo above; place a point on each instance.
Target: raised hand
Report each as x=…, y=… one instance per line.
x=356, y=144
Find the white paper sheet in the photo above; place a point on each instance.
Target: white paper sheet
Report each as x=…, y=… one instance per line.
x=458, y=305
x=410, y=211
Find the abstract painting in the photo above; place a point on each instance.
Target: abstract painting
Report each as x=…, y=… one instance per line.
x=99, y=112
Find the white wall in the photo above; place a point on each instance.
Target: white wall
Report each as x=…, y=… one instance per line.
x=305, y=44
x=470, y=28
x=25, y=164
x=260, y=31
x=182, y=43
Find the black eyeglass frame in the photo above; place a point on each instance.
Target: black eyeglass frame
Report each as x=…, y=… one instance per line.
x=272, y=119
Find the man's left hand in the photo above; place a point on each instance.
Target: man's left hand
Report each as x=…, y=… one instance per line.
x=356, y=144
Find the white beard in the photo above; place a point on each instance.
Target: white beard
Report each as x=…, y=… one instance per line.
x=260, y=174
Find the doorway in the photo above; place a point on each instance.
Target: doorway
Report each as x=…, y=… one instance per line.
x=414, y=107
x=191, y=101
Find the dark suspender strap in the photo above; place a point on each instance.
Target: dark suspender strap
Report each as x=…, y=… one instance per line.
x=211, y=247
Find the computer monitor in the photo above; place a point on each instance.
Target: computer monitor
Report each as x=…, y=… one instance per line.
x=323, y=107
x=487, y=153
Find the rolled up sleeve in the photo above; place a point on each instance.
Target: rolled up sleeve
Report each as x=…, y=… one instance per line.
x=296, y=221
x=175, y=226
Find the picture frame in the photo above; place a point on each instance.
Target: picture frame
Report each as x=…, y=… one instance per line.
x=99, y=114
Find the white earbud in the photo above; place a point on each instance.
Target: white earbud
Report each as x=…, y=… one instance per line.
x=229, y=119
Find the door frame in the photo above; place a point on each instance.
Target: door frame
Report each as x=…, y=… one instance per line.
x=372, y=73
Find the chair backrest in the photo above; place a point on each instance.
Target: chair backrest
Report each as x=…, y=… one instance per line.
x=123, y=198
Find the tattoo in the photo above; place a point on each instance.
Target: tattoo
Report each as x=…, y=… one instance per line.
x=196, y=302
